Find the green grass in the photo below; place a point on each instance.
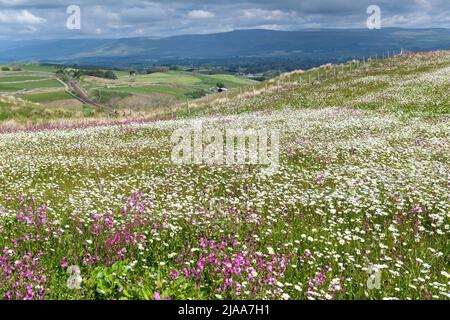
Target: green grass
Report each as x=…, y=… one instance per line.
x=39, y=68
x=47, y=96
x=14, y=78
x=358, y=185
x=149, y=90
x=230, y=81
x=14, y=87
x=178, y=84
x=192, y=80
x=419, y=87
x=172, y=77
x=27, y=112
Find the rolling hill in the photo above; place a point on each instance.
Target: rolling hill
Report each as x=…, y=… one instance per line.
x=297, y=49
x=137, y=94
x=357, y=207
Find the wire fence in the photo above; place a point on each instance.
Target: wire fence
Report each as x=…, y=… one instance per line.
x=312, y=76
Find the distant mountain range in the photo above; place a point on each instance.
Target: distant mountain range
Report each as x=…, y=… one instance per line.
x=242, y=47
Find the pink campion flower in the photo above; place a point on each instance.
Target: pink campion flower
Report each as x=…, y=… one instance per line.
x=173, y=274
x=201, y=264
x=64, y=263
x=7, y=251
x=157, y=296
x=228, y=281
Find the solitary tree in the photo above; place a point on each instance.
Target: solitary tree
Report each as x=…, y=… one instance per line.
x=110, y=75
x=220, y=85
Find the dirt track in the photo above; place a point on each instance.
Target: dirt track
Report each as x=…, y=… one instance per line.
x=83, y=97
x=74, y=89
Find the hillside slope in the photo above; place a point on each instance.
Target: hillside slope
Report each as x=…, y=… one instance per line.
x=415, y=83
x=357, y=208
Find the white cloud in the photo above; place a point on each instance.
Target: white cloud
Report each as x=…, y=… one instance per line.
x=19, y=17
x=200, y=14
x=159, y=18
x=267, y=14
x=11, y=2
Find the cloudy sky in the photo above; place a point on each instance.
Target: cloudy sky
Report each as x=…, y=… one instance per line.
x=43, y=19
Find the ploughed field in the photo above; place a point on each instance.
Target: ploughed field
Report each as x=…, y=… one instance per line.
x=358, y=208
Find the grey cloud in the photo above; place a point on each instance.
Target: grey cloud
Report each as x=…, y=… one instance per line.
x=116, y=18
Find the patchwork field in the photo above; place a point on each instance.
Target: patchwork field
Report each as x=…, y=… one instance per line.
x=34, y=95
x=130, y=96
x=28, y=85
x=361, y=191
x=171, y=87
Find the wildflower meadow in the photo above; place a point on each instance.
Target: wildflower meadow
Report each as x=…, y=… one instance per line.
x=358, y=207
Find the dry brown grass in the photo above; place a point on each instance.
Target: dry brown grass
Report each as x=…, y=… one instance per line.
x=143, y=102
x=66, y=103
